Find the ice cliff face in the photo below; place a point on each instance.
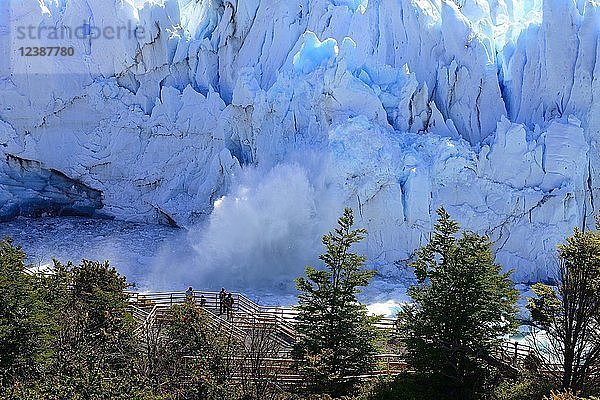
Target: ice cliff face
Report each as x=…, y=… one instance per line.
x=393, y=107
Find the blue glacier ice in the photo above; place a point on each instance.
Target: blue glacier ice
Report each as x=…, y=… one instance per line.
x=314, y=53
x=252, y=123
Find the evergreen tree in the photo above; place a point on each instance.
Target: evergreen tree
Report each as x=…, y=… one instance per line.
x=94, y=344
x=24, y=340
x=66, y=333
x=462, y=305
x=569, y=314
x=196, y=356
x=336, y=334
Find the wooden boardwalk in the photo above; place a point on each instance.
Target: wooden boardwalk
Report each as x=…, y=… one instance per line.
x=249, y=317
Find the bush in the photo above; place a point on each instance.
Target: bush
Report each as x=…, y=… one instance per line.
x=407, y=386
x=567, y=396
x=562, y=396
x=528, y=387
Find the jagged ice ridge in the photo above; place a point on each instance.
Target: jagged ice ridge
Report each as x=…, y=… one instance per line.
x=253, y=122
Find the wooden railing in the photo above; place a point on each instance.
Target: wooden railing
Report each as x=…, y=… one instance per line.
x=284, y=371
x=284, y=318
x=248, y=315
x=515, y=353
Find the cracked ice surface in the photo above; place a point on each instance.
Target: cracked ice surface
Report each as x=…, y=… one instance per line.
x=392, y=107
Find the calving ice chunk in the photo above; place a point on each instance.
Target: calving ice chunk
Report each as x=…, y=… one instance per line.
x=391, y=107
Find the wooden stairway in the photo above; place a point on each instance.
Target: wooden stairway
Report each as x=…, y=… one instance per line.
x=247, y=316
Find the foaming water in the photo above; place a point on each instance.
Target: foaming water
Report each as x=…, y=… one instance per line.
x=262, y=234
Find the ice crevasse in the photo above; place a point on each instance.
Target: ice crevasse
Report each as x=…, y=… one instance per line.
x=392, y=107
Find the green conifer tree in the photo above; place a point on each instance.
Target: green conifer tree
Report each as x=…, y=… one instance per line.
x=94, y=346
x=336, y=334
x=24, y=342
x=197, y=356
x=462, y=306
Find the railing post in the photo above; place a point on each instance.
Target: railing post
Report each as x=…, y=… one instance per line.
x=388, y=365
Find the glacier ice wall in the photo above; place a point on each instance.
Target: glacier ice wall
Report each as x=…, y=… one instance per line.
x=393, y=107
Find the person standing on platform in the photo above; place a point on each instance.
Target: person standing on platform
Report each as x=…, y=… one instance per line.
x=222, y=296
x=189, y=294
x=229, y=305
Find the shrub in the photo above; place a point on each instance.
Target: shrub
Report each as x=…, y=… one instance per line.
x=528, y=387
x=407, y=386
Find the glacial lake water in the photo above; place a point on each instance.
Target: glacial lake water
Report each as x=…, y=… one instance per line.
x=150, y=254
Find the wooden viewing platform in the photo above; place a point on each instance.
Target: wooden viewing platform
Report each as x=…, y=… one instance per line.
x=249, y=317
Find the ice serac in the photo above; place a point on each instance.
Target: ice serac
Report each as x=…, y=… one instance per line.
x=393, y=107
